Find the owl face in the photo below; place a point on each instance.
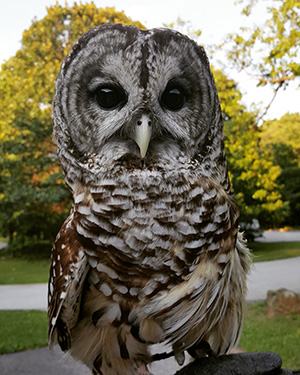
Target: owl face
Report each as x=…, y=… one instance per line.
x=149, y=95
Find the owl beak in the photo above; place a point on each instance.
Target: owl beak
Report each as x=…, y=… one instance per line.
x=143, y=133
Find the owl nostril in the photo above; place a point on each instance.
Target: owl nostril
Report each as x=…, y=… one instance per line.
x=139, y=122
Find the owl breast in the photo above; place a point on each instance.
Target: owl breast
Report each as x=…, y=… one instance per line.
x=145, y=232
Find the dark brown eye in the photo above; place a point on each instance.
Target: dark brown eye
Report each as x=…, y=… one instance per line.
x=173, y=98
x=110, y=97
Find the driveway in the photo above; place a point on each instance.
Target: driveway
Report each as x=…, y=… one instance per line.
x=279, y=236
x=273, y=275
x=23, y=297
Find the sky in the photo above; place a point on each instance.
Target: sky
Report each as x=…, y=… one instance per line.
x=215, y=18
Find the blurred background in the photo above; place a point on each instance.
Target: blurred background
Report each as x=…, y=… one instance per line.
x=254, y=51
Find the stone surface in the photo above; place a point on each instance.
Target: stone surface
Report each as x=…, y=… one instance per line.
x=282, y=302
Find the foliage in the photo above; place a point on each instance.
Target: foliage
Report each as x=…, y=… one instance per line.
x=33, y=197
x=274, y=250
x=280, y=335
x=268, y=52
x=290, y=181
x=251, y=168
x=184, y=27
x=22, y=330
x=272, y=49
x=281, y=139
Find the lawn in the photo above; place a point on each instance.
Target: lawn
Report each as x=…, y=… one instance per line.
x=21, y=271
x=280, y=335
x=275, y=250
x=22, y=330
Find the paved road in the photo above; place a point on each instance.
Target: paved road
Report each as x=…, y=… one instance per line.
x=273, y=275
x=278, y=236
x=23, y=297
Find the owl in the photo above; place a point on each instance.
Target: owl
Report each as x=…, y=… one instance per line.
x=150, y=252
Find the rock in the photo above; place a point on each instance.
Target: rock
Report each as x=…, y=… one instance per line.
x=282, y=302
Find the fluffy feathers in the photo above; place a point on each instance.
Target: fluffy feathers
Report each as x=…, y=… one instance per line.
x=151, y=251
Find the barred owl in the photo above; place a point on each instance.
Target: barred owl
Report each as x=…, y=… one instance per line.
x=150, y=252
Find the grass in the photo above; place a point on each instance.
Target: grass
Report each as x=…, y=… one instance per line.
x=280, y=335
x=22, y=330
x=275, y=250
x=21, y=271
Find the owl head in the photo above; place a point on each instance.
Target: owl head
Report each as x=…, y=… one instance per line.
x=147, y=97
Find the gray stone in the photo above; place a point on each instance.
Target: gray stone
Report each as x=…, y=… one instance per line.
x=282, y=302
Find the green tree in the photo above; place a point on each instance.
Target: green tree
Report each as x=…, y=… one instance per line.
x=252, y=170
x=268, y=52
x=271, y=49
x=281, y=139
x=33, y=197
x=285, y=131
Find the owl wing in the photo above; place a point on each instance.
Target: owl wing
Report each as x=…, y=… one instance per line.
x=208, y=304
x=68, y=270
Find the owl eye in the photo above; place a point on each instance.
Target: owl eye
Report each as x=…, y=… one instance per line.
x=110, y=97
x=173, y=98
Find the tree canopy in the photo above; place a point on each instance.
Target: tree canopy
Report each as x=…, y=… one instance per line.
x=281, y=139
x=270, y=50
x=33, y=198
x=252, y=170
x=285, y=131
